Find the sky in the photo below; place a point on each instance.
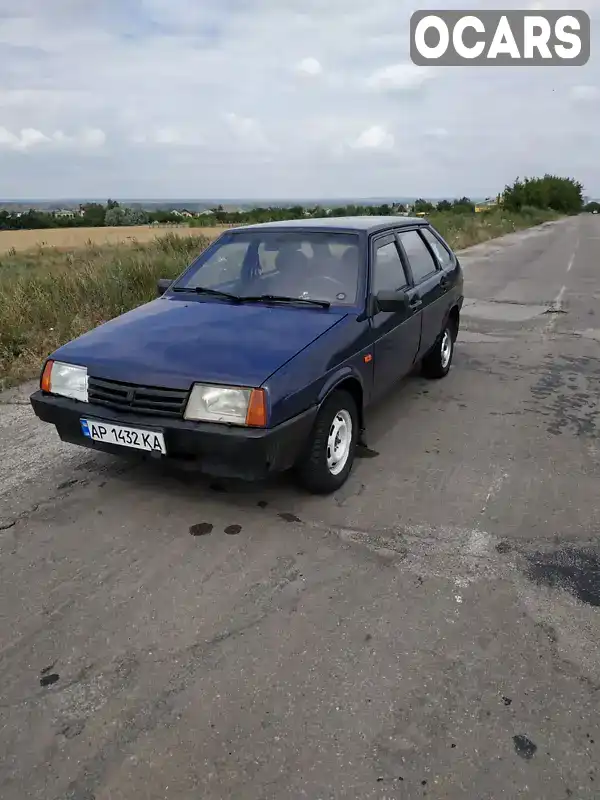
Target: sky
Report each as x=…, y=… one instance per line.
x=266, y=99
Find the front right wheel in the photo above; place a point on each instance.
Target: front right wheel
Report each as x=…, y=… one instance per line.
x=327, y=461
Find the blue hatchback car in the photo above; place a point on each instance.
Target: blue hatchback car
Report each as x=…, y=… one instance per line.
x=264, y=354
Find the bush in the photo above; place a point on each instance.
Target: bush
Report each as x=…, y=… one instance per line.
x=421, y=206
x=125, y=216
x=464, y=205
x=563, y=195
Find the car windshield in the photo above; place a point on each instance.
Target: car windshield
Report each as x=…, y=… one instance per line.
x=306, y=265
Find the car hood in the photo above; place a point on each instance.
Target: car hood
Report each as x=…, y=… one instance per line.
x=173, y=342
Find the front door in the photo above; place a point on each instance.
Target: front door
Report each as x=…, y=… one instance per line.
x=396, y=335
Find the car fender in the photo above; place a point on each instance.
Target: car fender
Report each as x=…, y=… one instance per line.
x=304, y=381
x=336, y=379
x=456, y=303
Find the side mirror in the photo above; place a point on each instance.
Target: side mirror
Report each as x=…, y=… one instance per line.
x=162, y=286
x=391, y=301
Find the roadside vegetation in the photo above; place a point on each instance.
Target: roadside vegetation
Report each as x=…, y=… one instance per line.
x=49, y=296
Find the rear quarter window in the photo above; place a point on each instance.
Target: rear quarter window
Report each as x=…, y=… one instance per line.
x=443, y=256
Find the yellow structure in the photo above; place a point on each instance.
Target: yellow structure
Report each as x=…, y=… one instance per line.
x=489, y=204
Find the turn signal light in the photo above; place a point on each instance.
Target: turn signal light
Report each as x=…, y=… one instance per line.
x=45, y=382
x=256, y=416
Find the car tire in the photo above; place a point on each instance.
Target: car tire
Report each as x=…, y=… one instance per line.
x=327, y=461
x=438, y=361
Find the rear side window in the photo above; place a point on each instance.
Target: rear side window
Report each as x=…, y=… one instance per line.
x=388, y=271
x=441, y=253
x=419, y=257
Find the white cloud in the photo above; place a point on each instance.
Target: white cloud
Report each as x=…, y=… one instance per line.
x=30, y=138
x=24, y=140
x=167, y=136
x=8, y=139
x=92, y=137
x=309, y=67
x=374, y=138
x=247, y=131
x=398, y=77
x=585, y=93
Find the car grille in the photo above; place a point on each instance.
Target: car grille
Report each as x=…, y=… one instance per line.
x=137, y=399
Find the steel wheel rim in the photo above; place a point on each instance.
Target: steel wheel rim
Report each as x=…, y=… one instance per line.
x=339, y=442
x=446, y=350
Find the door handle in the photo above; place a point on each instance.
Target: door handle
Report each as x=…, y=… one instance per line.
x=415, y=303
x=444, y=283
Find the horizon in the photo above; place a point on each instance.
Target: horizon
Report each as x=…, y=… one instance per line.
x=243, y=200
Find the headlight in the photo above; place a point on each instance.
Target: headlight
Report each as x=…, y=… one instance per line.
x=67, y=380
x=227, y=404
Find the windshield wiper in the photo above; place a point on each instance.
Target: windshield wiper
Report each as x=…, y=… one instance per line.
x=277, y=298
x=205, y=290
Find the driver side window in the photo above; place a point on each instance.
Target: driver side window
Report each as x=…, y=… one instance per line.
x=224, y=266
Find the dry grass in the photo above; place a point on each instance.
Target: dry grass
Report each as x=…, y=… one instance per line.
x=69, y=238
x=466, y=230
x=49, y=296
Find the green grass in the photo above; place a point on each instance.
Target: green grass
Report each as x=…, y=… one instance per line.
x=49, y=296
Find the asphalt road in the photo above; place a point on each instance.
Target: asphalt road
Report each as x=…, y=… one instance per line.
x=431, y=631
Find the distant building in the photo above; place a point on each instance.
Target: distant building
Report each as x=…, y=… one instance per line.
x=489, y=203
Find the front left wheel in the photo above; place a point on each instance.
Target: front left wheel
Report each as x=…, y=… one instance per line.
x=327, y=461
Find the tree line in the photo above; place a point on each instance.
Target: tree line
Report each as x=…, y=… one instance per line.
x=222, y=216
x=89, y=215
x=563, y=195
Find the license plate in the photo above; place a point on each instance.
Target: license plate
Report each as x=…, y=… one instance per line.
x=127, y=437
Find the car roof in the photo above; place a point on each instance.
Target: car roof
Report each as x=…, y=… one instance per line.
x=348, y=224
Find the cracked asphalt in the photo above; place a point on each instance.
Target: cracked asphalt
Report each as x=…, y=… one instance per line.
x=430, y=631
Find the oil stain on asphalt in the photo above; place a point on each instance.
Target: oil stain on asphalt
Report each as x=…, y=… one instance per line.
x=524, y=747
x=72, y=729
x=201, y=529
x=48, y=680
x=287, y=517
x=573, y=569
x=233, y=530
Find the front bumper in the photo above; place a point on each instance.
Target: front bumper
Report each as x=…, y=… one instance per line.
x=216, y=449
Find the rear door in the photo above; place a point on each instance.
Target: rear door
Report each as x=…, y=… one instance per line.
x=430, y=287
x=395, y=335
x=452, y=279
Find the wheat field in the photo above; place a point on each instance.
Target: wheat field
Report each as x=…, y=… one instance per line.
x=69, y=238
